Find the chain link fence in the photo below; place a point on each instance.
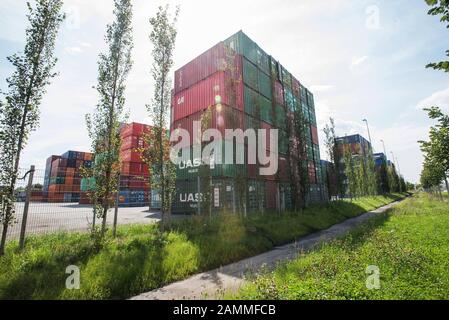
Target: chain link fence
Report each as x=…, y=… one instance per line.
x=58, y=202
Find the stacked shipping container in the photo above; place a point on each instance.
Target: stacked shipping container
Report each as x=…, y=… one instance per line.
x=134, y=177
x=357, y=146
x=244, y=88
x=63, y=178
x=134, y=174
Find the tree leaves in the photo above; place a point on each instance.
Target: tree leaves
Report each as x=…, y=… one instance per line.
x=441, y=8
x=19, y=113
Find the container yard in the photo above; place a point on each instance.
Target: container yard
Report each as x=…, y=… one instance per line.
x=242, y=87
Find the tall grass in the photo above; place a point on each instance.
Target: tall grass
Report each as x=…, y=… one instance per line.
x=409, y=245
x=141, y=258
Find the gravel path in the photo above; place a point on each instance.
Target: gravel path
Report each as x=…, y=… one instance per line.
x=231, y=277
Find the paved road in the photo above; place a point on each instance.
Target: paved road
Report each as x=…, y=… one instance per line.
x=231, y=277
x=54, y=217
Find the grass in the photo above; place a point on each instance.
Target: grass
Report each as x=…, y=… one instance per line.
x=141, y=258
x=409, y=244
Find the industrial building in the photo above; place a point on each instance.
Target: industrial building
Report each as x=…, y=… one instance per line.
x=239, y=86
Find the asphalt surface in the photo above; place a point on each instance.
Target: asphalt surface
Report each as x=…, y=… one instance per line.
x=58, y=217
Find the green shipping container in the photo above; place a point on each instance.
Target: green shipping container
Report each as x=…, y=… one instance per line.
x=256, y=195
x=286, y=78
x=57, y=180
x=309, y=152
x=243, y=45
x=207, y=195
x=286, y=196
x=252, y=102
x=191, y=167
x=266, y=112
x=265, y=85
x=290, y=100
x=87, y=184
x=283, y=142
x=263, y=60
x=250, y=75
x=280, y=117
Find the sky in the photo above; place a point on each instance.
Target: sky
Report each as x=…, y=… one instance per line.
x=361, y=59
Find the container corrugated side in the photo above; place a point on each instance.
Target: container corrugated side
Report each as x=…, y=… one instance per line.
x=218, y=88
x=221, y=118
x=218, y=58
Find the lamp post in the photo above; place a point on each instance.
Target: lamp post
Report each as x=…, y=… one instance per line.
x=369, y=134
x=385, y=149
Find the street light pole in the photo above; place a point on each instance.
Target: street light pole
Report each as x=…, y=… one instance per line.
x=385, y=149
x=369, y=134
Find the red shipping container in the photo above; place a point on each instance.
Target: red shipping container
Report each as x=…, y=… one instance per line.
x=267, y=127
x=278, y=93
x=314, y=131
x=222, y=118
x=283, y=171
x=252, y=171
x=54, y=197
x=271, y=194
x=138, y=183
x=132, y=142
x=213, y=60
x=130, y=156
x=209, y=92
x=134, y=168
x=134, y=129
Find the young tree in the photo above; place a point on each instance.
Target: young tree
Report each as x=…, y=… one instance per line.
x=331, y=148
x=19, y=114
x=372, y=180
x=297, y=127
x=104, y=124
x=436, y=150
x=351, y=174
x=163, y=37
x=440, y=8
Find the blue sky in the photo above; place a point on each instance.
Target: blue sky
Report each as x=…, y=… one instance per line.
x=362, y=59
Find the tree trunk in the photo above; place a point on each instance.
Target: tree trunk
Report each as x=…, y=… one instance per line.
x=447, y=185
x=3, y=241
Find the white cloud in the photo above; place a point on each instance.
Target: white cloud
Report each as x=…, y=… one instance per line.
x=74, y=50
x=438, y=99
x=357, y=61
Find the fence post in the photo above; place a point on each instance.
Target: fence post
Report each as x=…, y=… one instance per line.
x=199, y=197
x=26, y=207
x=117, y=199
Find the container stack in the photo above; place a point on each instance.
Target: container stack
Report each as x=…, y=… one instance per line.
x=134, y=173
x=236, y=85
x=63, y=177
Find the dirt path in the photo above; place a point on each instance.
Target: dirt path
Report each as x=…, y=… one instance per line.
x=231, y=277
